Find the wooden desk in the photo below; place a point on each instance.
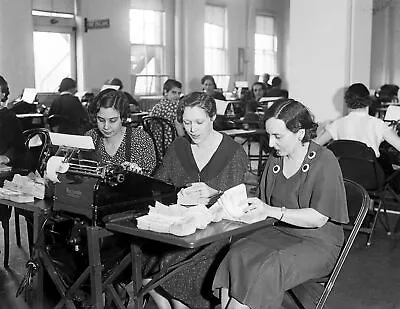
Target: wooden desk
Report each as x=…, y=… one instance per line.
x=39, y=209
x=214, y=232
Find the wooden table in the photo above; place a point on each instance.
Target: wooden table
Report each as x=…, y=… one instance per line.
x=214, y=232
x=39, y=209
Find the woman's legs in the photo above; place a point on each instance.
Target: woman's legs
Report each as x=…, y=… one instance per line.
x=161, y=301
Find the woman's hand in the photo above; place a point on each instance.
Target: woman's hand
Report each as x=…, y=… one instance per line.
x=200, y=193
x=255, y=204
x=4, y=159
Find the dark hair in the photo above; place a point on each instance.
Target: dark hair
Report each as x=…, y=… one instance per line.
x=295, y=116
x=116, y=82
x=112, y=99
x=67, y=84
x=169, y=84
x=387, y=92
x=357, y=96
x=264, y=87
x=4, y=88
x=199, y=99
x=276, y=81
x=210, y=78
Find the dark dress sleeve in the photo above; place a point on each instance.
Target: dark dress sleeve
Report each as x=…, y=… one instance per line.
x=328, y=194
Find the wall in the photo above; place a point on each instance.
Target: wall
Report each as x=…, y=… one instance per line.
x=16, y=45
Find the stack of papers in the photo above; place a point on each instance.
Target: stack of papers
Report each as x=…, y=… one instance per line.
x=31, y=185
x=15, y=196
x=5, y=168
x=175, y=219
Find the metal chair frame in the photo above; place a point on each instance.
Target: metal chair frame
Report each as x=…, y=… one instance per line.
x=330, y=280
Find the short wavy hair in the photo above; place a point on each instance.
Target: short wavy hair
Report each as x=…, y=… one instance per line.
x=112, y=99
x=169, y=84
x=357, y=96
x=196, y=99
x=210, y=78
x=295, y=115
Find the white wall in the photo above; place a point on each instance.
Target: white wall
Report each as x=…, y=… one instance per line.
x=16, y=45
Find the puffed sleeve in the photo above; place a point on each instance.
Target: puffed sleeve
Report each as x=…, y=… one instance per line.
x=143, y=152
x=327, y=193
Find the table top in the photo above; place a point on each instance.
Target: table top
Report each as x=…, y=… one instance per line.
x=237, y=132
x=213, y=232
x=35, y=206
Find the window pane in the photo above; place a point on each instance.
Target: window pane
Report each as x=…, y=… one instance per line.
x=147, y=59
x=146, y=27
x=215, y=61
x=213, y=36
x=262, y=41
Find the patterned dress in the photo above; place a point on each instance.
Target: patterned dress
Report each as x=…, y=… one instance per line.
x=165, y=109
x=141, y=149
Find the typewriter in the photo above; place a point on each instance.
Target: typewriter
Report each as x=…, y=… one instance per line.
x=98, y=191
x=93, y=191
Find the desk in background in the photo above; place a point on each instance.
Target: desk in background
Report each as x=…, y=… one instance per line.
x=214, y=232
x=30, y=121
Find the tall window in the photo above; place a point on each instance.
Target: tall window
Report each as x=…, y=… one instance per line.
x=215, y=42
x=147, y=37
x=265, y=43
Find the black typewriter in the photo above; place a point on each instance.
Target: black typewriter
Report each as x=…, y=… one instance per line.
x=97, y=192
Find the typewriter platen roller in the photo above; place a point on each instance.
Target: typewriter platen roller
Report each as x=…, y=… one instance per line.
x=97, y=191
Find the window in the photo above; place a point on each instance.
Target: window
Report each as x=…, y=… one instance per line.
x=265, y=46
x=147, y=38
x=215, y=42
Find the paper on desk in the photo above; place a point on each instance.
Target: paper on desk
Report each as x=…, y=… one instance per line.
x=29, y=95
x=69, y=140
x=115, y=87
x=221, y=106
x=55, y=165
x=392, y=113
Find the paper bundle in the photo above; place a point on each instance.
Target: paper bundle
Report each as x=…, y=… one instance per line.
x=232, y=205
x=5, y=168
x=32, y=185
x=175, y=219
x=15, y=196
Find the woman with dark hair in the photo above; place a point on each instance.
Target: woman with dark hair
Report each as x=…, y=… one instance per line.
x=358, y=125
x=210, y=162
x=210, y=87
x=12, y=148
x=301, y=187
x=116, y=143
x=258, y=90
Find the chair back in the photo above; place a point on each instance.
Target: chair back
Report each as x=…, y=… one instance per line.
x=37, y=143
x=358, y=163
x=60, y=124
x=357, y=203
x=162, y=133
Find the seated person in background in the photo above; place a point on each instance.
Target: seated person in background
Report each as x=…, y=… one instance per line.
x=68, y=106
x=211, y=162
x=115, y=143
x=265, y=79
x=12, y=141
x=301, y=187
x=276, y=90
x=359, y=126
x=115, y=82
x=258, y=91
x=167, y=108
x=388, y=93
x=210, y=87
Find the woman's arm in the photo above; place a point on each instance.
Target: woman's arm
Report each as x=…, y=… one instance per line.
x=304, y=217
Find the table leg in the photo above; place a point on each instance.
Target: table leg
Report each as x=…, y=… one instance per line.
x=136, y=254
x=93, y=234
x=38, y=218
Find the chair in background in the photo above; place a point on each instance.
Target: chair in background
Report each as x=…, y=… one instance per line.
x=358, y=163
x=36, y=142
x=358, y=202
x=162, y=133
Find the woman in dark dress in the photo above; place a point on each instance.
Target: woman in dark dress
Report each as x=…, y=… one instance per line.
x=301, y=187
x=212, y=162
x=12, y=148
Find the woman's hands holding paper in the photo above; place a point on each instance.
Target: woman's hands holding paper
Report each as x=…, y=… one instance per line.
x=196, y=193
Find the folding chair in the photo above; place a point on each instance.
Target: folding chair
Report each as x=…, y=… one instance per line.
x=358, y=203
x=162, y=133
x=358, y=163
